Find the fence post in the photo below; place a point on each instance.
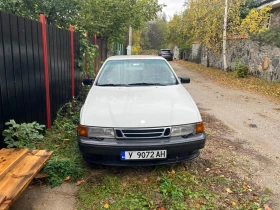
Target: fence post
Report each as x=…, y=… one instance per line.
x=72, y=60
x=95, y=59
x=46, y=69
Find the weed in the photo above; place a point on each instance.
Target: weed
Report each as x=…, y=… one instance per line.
x=241, y=70
x=61, y=139
x=58, y=169
x=25, y=135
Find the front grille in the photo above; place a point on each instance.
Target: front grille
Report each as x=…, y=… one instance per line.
x=142, y=133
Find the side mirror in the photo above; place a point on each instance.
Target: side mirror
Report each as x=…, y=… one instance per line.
x=185, y=80
x=88, y=81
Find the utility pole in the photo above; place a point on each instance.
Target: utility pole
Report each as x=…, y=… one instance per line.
x=129, y=47
x=225, y=37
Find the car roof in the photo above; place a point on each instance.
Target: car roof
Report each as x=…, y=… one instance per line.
x=164, y=49
x=133, y=57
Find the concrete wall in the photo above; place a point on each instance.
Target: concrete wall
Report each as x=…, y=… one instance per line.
x=263, y=61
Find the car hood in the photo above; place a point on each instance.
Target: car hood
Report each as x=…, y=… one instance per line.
x=145, y=106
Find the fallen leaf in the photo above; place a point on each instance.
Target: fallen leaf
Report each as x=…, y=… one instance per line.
x=208, y=169
x=161, y=208
x=266, y=207
x=233, y=203
x=256, y=197
x=145, y=180
x=244, y=187
x=228, y=190
x=185, y=180
x=67, y=178
x=173, y=172
x=80, y=182
x=106, y=205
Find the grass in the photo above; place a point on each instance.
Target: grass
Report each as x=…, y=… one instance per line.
x=203, y=183
x=230, y=79
x=66, y=160
x=177, y=187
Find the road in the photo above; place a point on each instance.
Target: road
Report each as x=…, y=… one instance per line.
x=255, y=124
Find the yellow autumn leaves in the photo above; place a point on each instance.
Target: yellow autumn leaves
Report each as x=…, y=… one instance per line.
x=256, y=21
x=203, y=21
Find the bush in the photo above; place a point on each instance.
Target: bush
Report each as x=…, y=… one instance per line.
x=270, y=37
x=241, y=69
x=24, y=135
x=59, y=168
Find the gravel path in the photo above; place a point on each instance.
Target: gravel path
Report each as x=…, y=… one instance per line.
x=255, y=122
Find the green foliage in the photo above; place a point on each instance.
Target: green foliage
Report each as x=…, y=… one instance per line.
x=247, y=7
x=270, y=37
x=62, y=139
x=58, y=169
x=106, y=18
x=110, y=19
x=154, y=34
x=61, y=13
x=241, y=69
x=25, y=135
x=88, y=53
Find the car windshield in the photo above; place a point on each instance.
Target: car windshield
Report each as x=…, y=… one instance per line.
x=139, y=72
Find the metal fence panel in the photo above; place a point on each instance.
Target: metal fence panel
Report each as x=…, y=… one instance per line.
x=22, y=78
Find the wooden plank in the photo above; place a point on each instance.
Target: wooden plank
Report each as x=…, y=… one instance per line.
x=21, y=174
x=2, y=199
x=9, y=158
x=6, y=205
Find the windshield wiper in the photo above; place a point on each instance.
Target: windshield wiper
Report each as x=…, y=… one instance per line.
x=113, y=85
x=146, y=84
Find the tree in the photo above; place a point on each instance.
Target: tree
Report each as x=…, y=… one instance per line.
x=110, y=18
x=106, y=18
x=256, y=21
x=205, y=21
x=154, y=34
x=247, y=7
x=61, y=13
x=179, y=31
x=225, y=36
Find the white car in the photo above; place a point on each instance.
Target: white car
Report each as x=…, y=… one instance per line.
x=139, y=113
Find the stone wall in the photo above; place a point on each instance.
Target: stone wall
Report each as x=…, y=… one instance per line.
x=263, y=61
x=275, y=18
x=196, y=52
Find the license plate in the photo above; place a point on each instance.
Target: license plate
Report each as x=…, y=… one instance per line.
x=144, y=155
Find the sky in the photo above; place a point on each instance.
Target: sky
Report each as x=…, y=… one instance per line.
x=172, y=7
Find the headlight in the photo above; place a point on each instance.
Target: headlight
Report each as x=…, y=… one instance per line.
x=183, y=130
x=101, y=133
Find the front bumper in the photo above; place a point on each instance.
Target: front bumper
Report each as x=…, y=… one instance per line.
x=108, y=151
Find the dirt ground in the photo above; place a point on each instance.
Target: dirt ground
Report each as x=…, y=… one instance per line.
x=253, y=123
x=243, y=134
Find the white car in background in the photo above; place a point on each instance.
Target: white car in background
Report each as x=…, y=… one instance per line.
x=139, y=113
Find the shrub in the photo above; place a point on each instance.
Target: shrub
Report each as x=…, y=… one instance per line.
x=241, y=69
x=270, y=37
x=24, y=135
x=59, y=168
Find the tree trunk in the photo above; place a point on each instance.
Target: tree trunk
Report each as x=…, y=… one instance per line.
x=225, y=37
